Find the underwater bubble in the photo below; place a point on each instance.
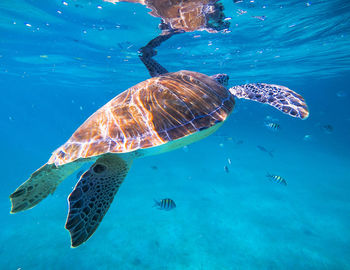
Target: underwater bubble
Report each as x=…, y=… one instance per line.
x=260, y=18
x=241, y=12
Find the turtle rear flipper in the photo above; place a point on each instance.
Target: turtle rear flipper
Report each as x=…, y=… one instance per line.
x=93, y=195
x=40, y=184
x=280, y=97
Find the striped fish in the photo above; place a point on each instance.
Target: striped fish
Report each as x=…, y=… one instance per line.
x=277, y=179
x=165, y=204
x=273, y=126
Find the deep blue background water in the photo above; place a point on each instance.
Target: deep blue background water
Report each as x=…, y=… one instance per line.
x=58, y=71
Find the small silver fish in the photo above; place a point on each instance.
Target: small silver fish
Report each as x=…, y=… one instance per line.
x=263, y=149
x=226, y=169
x=165, y=204
x=277, y=179
x=273, y=126
x=328, y=129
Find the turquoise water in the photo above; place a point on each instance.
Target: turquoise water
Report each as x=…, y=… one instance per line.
x=57, y=68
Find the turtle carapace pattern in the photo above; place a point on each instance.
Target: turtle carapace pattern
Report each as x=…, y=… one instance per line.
x=154, y=112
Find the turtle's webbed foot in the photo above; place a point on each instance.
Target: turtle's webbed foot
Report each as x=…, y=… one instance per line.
x=35, y=189
x=92, y=197
x=21, y=201
x=40, y=184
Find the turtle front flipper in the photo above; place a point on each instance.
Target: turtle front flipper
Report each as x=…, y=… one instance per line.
x=40, y=184
x=93, y=195
x=280, y=97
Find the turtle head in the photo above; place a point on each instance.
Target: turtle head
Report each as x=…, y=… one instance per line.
x=221, y=78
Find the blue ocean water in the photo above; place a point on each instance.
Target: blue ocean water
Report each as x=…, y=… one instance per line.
x=61, y=61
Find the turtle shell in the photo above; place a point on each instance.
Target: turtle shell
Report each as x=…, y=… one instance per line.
x=151, y=113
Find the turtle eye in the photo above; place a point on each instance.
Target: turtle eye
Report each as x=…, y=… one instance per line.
x=99, y=168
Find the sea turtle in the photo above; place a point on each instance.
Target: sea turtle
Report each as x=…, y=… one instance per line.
x=187, y=16
x=165, y=112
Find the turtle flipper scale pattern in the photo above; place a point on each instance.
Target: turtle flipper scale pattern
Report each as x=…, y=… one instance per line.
x=280, y=97
x=93, y=195
x=40, y=184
